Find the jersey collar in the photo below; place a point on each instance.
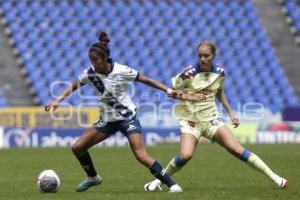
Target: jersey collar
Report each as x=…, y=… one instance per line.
x=213, y=68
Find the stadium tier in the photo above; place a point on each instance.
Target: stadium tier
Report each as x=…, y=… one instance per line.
x=158, y=38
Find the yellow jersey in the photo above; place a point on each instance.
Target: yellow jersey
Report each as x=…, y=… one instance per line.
x=193, y=80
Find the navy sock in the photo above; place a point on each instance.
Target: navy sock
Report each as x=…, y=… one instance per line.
x=179, y=162
x=245, y=155
x=87, y=164
x=157, y=170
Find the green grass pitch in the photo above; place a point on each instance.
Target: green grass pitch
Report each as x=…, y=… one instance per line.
x=212, y=174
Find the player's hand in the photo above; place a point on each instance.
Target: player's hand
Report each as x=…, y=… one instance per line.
x=52, y=106
x=175, y=93
x=234, y=119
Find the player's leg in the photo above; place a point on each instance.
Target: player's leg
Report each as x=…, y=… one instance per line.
x=88, y=139
x=80, y=149
x=188, y=144
x=191, y=132
x=132, y=130
x=137, y=146
x=225, y=138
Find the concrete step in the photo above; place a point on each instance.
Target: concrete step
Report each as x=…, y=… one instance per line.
x=278, y=30
x=12, y=79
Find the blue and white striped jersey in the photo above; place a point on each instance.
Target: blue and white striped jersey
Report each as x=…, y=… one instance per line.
x=112, y=90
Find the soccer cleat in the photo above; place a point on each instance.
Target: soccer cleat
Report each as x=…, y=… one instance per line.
x=175, y=189
x=284, y=183
x=281, y=182
x=88, y=182
x=153, y=185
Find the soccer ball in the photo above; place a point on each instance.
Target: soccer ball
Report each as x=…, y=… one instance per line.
x=48, y=181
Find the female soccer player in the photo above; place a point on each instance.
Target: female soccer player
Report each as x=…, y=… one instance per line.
x=202, y=118
x=118, y=113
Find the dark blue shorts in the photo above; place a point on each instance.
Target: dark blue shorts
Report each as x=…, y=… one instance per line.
x=126, y=127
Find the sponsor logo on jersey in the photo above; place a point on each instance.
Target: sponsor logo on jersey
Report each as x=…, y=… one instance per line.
x=207, y=80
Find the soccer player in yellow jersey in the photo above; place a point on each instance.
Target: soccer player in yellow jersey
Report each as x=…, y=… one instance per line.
x=202, y=118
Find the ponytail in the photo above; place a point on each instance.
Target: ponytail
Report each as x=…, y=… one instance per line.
x=101, y=47
x=103, y=38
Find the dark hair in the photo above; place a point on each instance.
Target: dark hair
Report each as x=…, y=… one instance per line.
x=211, y=46
x=101, y=47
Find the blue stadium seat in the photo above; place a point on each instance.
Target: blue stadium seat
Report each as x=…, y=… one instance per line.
x=3, y=101
x=157, y=38
x=259, y=92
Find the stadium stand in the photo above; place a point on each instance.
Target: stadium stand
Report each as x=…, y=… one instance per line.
x=158, y=38
x=3, y=102
x=291, y=8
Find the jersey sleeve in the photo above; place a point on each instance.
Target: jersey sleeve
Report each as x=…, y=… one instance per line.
x=222, y=83
x=178, y=82
x=129, y=74
x=83, y=77
x=221, y=71
x=181, y=80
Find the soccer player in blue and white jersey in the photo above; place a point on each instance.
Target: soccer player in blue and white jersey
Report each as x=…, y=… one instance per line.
x=118, y=113
x=202, y=118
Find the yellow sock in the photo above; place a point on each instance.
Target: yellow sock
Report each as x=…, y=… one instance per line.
x=255, y=162
x=172, y=168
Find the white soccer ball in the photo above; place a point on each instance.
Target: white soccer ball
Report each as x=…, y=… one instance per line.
x=48, y=181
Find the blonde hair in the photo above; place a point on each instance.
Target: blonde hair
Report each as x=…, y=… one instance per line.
x=210, y=44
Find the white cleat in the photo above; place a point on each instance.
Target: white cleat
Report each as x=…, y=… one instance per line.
x=153, y=185
x=284, y=184
x=281, y=183
x=175, y=189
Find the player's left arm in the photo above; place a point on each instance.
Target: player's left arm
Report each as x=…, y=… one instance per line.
x=158, y=85
x=172, y=92
x=223, y=99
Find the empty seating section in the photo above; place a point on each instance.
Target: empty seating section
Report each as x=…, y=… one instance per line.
x=293, y=12
x=158, y=38
x=3, y=102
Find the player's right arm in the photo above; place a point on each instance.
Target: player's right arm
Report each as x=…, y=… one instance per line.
x=52, y=105
x=82, y=80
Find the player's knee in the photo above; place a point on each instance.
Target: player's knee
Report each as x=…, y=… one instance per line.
x=76, y=149
x=237, y=152
x=186, y=156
